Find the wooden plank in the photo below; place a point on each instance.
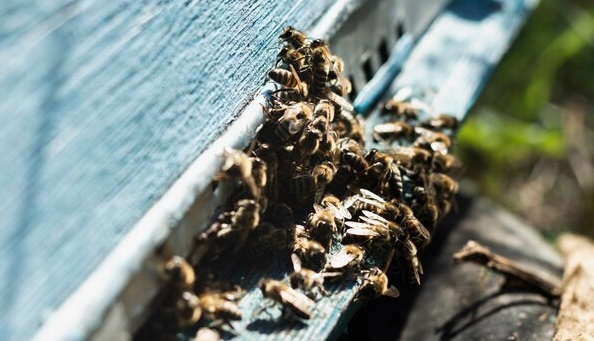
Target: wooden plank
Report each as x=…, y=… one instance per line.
x=104, y=105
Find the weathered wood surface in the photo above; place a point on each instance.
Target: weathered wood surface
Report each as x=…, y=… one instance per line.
x=465, y=301
x=576, y=312
x=104, y=104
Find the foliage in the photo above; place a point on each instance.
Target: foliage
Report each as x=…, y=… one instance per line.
x=533, y=122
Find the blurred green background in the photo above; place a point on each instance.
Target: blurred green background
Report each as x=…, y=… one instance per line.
x=529, y=142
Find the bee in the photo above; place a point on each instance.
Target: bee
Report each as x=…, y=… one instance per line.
x=347, y=260
x=180, y=272
x=385, y=231
x=430, y=140
x=375, y=284
x=324, y=109
x=321, y=225
x=245, y=219
x=444, y=163
x=221, y=307
x=332, y=203
x=388, y=132
x=238, y=165
x=308, y=281
x=368, y=201
x=295, y=118
x=386, y=172
x=400, y=109
x=207, y=334
x=311, y=252
x=323, y=173
x=328, y=148
x=405, y=216
x=267, y=240
x=441, y=122
x=444, y=184
x=290, y=79
x=353, y=155
x=413, y=260
x=290, y=56
x=364, y=233
x=187, y=309
x=292, y=301
x=293, y=37
x=321, y=70
x=410, y=157
x=302, y=185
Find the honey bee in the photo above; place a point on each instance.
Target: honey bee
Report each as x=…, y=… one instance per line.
x=363, y=233
x=302, y=185
x=308, y=281
x=388, y=132
x=295, y=118
x=238, y=165
x=387, y=231
x=207, y=334
x=290, y=79
x=416, y=230
x=353, y=155
x=292, y=301
x=324, y=109
x=347, y=260
x=293, y=37
x=413, y=259
x=245, y=219
x=290, y=56
x=328, y=148
x=321, y=70
x=221, y=307
x=266, y=241
x=441, y=122
x=187, y=309
x=309, y=142
x=410, y=157
x=323, y=173
x=180, y=272
x=375, y=284
x=400, y=109
x=444, y=163
x=332, y=203
x=386, y=172
x=444, y=184
x=312, y=253
x=430, y=140
x=321, y=225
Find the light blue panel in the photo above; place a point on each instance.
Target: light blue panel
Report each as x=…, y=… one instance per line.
x=104, y=104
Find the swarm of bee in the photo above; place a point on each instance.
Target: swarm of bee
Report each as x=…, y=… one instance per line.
x=308, y=190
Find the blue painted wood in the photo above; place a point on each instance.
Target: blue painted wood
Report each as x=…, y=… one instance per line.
x=103, y=105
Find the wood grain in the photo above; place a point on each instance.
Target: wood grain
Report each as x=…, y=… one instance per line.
x=104, y=104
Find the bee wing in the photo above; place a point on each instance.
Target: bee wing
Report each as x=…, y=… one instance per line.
x=356, y=224
x=370, y=194
x=362, y=232
x=392, y=292
x=340, y=101
x=330, y=274
x=350, y=201
x=339, y=213
x=299, y=304
x=341, y=259
x=374, y=216
x=296, y=262
x=296, y=125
